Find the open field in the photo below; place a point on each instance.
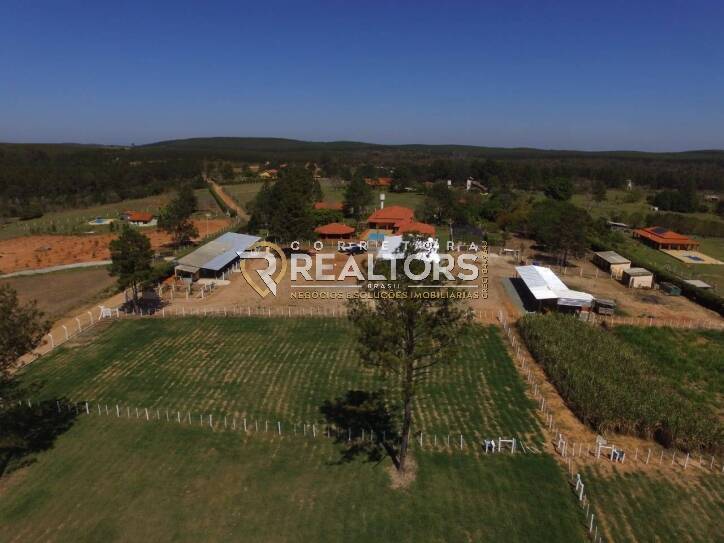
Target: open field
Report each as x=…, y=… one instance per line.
x=75, y=221
x=333, y=193
x=42, y=251
x=229, y=366
x=243, y=193
x=61, y=293
x=614, y=205
x=638, y=507
x=713, y=247
x=111, y=479
x=206, y=203
x=690, y=361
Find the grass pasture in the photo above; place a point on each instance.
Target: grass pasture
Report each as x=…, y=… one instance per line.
x=639, y=507
x=62, y=292
x=334, y=193
x=229, y=366
x=111, y=479
x=690, y=361
x=115, y=479
x=75, y=221
x=243, y=193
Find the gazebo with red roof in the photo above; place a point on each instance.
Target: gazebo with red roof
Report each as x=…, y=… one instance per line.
x=334, y=230
x=663, y=238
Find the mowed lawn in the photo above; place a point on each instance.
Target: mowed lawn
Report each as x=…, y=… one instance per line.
x=110, y=479
x=639, y=507
x=278, y=369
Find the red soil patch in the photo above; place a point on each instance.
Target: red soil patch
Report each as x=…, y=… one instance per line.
x=33, y=252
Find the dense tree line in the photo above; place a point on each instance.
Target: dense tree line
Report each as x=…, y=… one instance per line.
x=35, y=179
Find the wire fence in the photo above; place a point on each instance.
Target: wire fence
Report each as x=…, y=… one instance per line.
x=251, y=425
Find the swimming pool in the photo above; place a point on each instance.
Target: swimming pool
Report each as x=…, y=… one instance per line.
x=375, y=236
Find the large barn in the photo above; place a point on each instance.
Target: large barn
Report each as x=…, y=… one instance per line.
x=215, y=258
x=545, y=290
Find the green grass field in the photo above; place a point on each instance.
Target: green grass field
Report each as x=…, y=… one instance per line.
x=75, y=221
x=243, y=193
x=412, y=200
x=614, y=205
x=638, y=507
x=115, y=479
x=110, y=479
x=690, y=361
x=229, y=366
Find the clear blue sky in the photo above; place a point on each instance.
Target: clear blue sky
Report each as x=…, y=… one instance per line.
x=576, y=75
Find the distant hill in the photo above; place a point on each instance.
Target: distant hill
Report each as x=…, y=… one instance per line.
x=235, y=145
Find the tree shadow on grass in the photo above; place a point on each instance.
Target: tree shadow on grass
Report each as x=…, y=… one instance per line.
x=363, y=426
x=26, y=430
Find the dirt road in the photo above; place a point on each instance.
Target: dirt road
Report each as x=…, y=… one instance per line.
x=228, y=200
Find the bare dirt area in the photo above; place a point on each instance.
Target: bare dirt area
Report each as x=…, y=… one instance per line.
x=34, y=252
x=300, y=296
x=63, y=293
x=581, y=275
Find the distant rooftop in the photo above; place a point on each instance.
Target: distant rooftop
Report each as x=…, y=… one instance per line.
x=612, y=257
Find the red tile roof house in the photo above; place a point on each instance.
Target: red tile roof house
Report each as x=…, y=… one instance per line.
x=400, y=220
x=137, y=217
x=333, y=206
x=386, y=217
x=663, y=238
x=379, y=182
x=334, y=230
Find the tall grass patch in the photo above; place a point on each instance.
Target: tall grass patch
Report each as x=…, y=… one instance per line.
x=612, y=386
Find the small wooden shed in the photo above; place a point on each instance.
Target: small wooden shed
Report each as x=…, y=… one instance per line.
x=611, y=262
x=638, y=278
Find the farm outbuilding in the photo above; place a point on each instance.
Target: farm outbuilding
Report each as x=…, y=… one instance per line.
x=546, y=291
x=637, y=278
x=611, y=262
x=216, y=258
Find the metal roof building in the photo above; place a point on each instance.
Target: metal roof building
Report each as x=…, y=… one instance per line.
x=544, y=285
x=216, y=255
x=612, y=257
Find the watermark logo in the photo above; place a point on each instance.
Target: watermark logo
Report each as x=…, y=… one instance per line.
x=269, y=276
x=460, y=272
